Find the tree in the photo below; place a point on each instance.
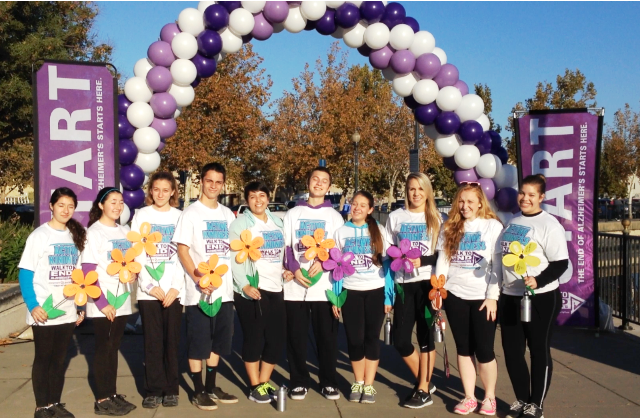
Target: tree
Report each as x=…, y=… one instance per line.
x=484, y=92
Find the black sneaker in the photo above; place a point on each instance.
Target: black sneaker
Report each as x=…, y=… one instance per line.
x=109, y=407
x=516, y=409
x=330, y=393
x=419, y=400
x=222, y=396
x=43, y=413
x=260, y=394
x=169, y=400
x=120, y=400
x=152, y=402
x=59, y=411
x=532, y=411
x=298, y=394
x=432, y=388
x=204, y=402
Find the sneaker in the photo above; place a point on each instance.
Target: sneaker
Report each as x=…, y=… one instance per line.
x=221, y=396
x=170, y=400
x=356, y=392
x=152, y=402
x=368, y=394
x=203, y=401
x=466, y=406
x=516, y=409
x=488, y=407
x=109, y=407
x=260, y=394
x=432, y=388
x=272, y=390
x=43, y=413
x=59, y=411
x=532, y=410
x=120, y=400
x=298, y=394
x=420, y=399
x=330, y=393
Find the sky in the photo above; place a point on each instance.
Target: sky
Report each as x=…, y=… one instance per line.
x=510, y=46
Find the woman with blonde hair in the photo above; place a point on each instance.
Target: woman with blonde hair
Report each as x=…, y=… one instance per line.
x=419, y=223
x=471, y=262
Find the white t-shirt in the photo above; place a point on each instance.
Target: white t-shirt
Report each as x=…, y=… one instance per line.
x=403, y=224
x=357, y=240
x=101, y=240
x=474, y=270
x=51, y=255
x=298, y=222
x=269, y=266
x=543, y=229
x=173, y=277
x=206, y=232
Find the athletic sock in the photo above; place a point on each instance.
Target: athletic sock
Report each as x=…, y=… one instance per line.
x=210, y=382
x=198, y=386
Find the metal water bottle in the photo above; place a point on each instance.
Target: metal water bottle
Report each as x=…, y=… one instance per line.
x=437, y=333
x=525, y=308
x=388, y=337
x=282, y=399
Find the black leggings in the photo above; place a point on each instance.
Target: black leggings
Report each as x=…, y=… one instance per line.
x=263, y=334
x=105, y=362
x=362, y=315
x=472, y=332
x=51, y=343
x=410, y=312
x=516, y=335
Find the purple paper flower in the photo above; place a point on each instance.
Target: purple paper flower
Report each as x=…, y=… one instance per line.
x=401, y=256
x=339, y=263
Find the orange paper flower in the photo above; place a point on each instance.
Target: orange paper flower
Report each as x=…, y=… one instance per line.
x=316, y=246
x=247, y=247
x=438, y=292
x=212, y=274
x=82, y=287
x=145, y=240
x=124, y=265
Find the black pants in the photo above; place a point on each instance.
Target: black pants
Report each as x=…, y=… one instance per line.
x=47, y=375
x=325, y=330
x=472, y=332
x=263, y=326
x=161, y=328
x=545, y=307
x=105, y=362
x=362, y=315
x=411, y=312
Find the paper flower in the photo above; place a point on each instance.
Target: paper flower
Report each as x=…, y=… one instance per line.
x=82, y=287
x=520, y=258
x=317, y=246
x=401, y=256
x=339, y=264
x=438, y=292
x=246, y=247
x=124, y=265
x=212, y=274
x=145, y=240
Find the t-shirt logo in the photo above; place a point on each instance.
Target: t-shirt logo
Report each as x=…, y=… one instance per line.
x=216, y=237
x=466, y=256
x=166, y=250
x=308, y=227
x=119, y=244
x=361, y=248
x=514, y=232
x=273, y=245
x=62, y=262
x=417, y=234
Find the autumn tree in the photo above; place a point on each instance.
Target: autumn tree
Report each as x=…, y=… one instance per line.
x=484, y=91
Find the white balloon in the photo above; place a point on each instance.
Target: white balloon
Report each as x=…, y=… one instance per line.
x=140, y=114
x=146, y=139
x=354, y=37
x=505, y=217
x=358, y=3
x=231, y=42
x=137, y=90
x=438, y=52
x=388, y=73
x=177, y=113
x=488, y=166
x=184, y=95
x=335, y=4
x=202, y=5
x=401, y=37
x=253, y=6
x=241, y=22
x=219, y=57
x=423, y=43
x=403, y=84
x=425, y=91
x=431, y=131
x=295, y=21
x=339, y=33
x=484, y=121
x=190, y=21
x=148, y=162
x=467, y=156
x=377, y=35
x=184, y=45
x=146, y=180
x=125, y=215
x=278, y=27
x=449, y=98
x=183, y=72
x=142, y=67
x=471, y=107
x=507, y=176
x=313, y=10
x=446, y=146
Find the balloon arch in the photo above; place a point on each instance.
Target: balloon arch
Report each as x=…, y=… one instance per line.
x=189, y=50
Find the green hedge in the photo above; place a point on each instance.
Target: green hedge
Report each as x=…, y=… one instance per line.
x=13, y=236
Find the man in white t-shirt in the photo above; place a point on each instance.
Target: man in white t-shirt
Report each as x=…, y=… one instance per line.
x=203, y=232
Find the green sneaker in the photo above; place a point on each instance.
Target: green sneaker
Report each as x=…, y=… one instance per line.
x=356, y=392
x=368, y=394
x=260, y=394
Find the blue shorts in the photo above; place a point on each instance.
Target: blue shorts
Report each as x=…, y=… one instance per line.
x=206, y=335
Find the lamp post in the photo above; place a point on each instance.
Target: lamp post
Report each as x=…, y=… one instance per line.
x=356, y=139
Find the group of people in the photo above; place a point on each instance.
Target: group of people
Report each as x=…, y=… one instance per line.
x=279, y=276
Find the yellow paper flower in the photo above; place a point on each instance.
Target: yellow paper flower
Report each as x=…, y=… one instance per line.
x=212, y=274
x=316, y=246
x=520, y=258
x=82, y=287
x=145, y=240
x=247, y=247
x=124, y=266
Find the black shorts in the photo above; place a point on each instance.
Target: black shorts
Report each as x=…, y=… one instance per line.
x=206, y=335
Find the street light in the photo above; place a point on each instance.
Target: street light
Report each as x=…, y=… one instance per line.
x=356, y=138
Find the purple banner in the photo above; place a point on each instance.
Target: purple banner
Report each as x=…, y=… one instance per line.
x=75, y=134
x=562, y=147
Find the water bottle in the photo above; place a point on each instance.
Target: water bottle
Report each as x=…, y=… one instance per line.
x=282, y=399
x=437, y=333
x=525, y=308
x=388, y=338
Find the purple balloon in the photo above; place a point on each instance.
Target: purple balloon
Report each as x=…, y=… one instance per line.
x=163, y=144
x=427, y=114
x=131, y=177
x=196, y=82
x=462, y=86
x=447, y=123
x=450, y=163
x=311, y=25
x=461, y=175
x=209, y=43
x=488, y=187
x=372, y=11
x=412, y=23
x=380, y=58
x=410, y=102
x=165, y=127
x=160, y=53
x=133, y=198
x=159, y=79
x=205, y=67
x=506, y=199
x=123, y=104
x=276, y=11
x=347, y=15
x=169, y=31
x=163, y=104
x=216, y=16
x=470, y=132
x=230, y=5
x=247, y=38
x=496, y=141
x=503, y=154
x=127, y=151
x=403, y=61
x=294, y=3
x=125, y=128
x=365, y=50
x=394, y=14
x=262, y=29
x=428, y=66
x=484, y=144
x=447, y=76
x=326, y=25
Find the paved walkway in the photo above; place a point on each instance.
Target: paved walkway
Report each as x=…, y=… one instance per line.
x=593, y=377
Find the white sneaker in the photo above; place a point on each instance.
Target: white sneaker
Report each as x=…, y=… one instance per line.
x=298, y=394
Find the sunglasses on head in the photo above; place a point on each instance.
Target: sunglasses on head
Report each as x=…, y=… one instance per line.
x=469, y=183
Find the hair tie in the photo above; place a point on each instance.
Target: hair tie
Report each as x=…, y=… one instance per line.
x=113, y=189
